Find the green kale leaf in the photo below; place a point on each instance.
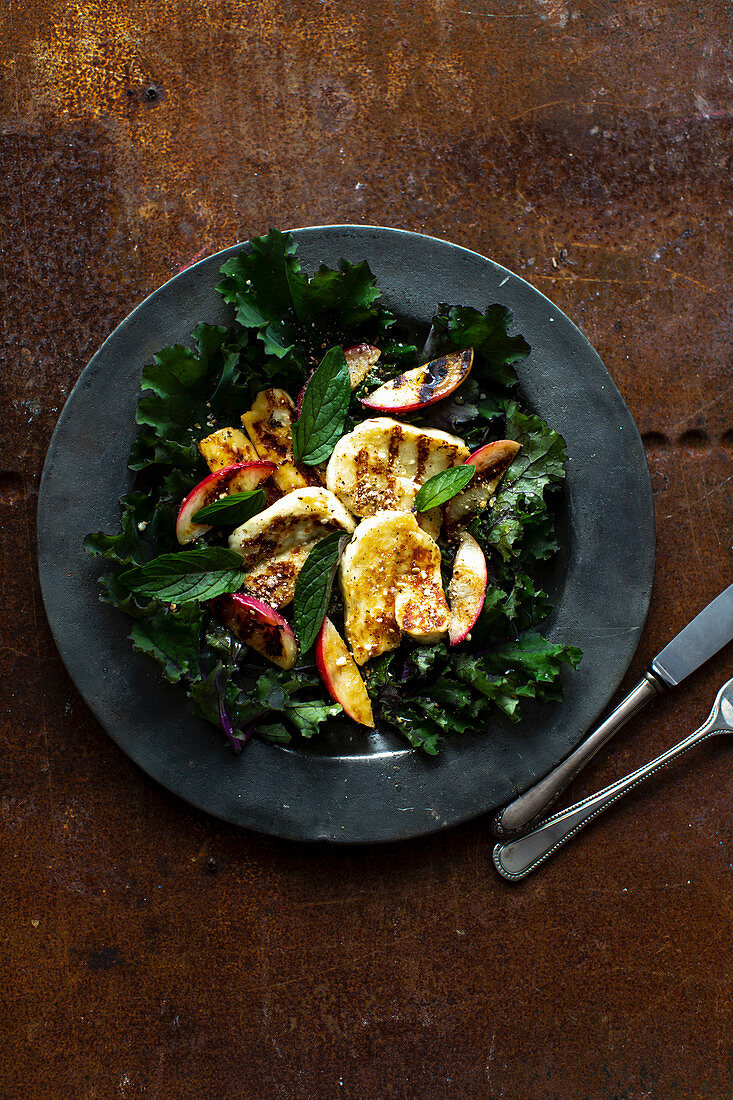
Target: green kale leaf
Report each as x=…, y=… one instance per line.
x=495, y=351
x=540, y=465
x=173, y=638
x=128, y=546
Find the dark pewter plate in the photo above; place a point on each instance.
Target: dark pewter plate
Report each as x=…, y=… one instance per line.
x=355, y=786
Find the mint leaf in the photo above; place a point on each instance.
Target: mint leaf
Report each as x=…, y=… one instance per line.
x=324, y=408
x=441, y=487
x=232, y=510
x=189, y=575
x=313, y=587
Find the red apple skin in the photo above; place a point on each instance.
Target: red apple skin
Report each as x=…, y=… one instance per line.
x=491, y=462
x=257, y=625
x=341, y=676
x=423, y=386
x=240, y=478
x=495, y=456
x=467, y=588
x=301, y=395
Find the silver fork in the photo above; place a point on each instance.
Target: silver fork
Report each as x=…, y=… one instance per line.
x=517, y=858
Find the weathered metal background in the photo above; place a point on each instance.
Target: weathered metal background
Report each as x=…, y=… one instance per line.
x=150, y=951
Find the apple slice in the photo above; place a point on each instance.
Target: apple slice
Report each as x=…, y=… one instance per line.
x=240, y=478
x=467, y=588
x=360, y=359
x=423, y=386
x=341, y=676
x=258, y=626
x=492, y=462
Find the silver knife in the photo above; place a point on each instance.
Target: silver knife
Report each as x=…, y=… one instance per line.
x=692, y=647
x=514, y=859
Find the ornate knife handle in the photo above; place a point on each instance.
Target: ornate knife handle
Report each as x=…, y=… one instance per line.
x=520, y=814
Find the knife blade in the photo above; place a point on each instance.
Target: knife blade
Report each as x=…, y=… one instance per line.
x=695, y=644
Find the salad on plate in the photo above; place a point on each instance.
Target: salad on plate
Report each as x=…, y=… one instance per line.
x=335, y=514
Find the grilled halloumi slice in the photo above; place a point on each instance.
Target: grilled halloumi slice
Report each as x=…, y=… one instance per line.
x=269, y=425
x=390, y=580
x=275, y=543
x=227, y=447
x=381, y=464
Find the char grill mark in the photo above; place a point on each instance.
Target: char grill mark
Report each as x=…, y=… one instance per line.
x=437, y=371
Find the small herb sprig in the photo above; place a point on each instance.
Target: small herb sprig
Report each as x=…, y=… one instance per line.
x=324, y=409
x=187, y=575
x=441, y=487
x=232, y=510
x=313, y=587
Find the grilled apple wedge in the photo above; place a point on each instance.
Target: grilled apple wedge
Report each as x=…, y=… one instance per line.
x=258, y=626
x=241, y=478
x=341, y=676
x=275, y=544
x=390, y=581
x=423, y=386
x=491, y=462
x=360, y=359
x=467, y=588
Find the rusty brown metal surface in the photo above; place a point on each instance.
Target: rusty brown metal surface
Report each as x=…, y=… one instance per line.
x=150, y=951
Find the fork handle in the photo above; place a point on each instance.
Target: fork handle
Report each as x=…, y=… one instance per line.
x=517, y=858
x=523, y=811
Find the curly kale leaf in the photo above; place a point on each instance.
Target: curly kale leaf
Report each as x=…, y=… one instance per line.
x=253, y=698
x=520, y=501
x=278, y=691
x=526, y=668
x=398, y=357
x=179, y=381
x=128, y=546
x=290, y=312
x=186, y=394
x=350, y=296
x=267, y=288
x=172, y=638
x=495, y=351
